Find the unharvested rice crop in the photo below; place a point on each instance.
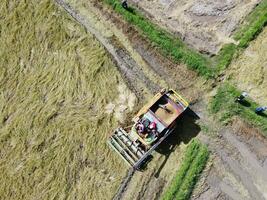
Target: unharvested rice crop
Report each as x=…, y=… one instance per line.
x=55, y=82
x=249, y=71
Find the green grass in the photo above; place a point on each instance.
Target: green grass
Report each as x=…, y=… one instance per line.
x=55, y=80
x=168, y=44
x=223, y=104
x=194, y=161
x=224, y=57
x=253, y=25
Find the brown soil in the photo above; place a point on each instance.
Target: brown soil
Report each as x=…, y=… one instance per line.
x=204, y=24
x=239, y=157
x=238, y=170
x=176, y=75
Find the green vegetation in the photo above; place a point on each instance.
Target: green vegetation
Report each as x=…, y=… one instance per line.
x=195, y=159
x=253, y=25
x=225, y=56
x=168, y=44
x=224, y=105
x=55, y=80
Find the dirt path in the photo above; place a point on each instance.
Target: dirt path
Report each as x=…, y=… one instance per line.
x=238, y=165
x=124, y=184
x=156, y=67
x=238, y=173
x=238, y=160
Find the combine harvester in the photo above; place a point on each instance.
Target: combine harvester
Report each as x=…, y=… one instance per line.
x=153, y=124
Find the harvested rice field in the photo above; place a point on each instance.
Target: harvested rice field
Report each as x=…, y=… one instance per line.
x=206, y=25
x=60, y=97
x=249, y=71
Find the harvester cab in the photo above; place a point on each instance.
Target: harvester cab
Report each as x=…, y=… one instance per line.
x=152, y=124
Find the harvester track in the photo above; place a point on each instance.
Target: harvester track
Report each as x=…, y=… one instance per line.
x=132, y=74
x=124, y=184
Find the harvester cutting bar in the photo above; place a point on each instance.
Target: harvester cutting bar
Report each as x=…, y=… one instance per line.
x=129, y=150
x=125, y=147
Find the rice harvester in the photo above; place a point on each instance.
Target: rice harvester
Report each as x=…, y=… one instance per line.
x=152, y=124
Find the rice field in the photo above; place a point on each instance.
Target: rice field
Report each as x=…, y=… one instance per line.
x=55, y=84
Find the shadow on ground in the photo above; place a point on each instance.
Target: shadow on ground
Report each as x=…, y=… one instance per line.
x=245, y=103
x=263, y=115
x=186, y=129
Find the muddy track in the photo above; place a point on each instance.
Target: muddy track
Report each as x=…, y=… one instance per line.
x=239, y=158
x=143, y=46
x=124, y=184
x=132, y=74
x=237, y=173
x=176, y=75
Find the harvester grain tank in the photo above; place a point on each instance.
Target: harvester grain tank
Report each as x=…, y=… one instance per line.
x=152, y=124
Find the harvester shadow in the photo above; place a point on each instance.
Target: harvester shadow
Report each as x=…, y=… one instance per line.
x=186, y=129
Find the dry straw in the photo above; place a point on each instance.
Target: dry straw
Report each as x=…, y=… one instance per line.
x=55, y=81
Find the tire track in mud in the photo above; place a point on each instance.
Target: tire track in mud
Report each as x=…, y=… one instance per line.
x=235, y=163
x=132, y=74
x=124, y=184
x=176, y=75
